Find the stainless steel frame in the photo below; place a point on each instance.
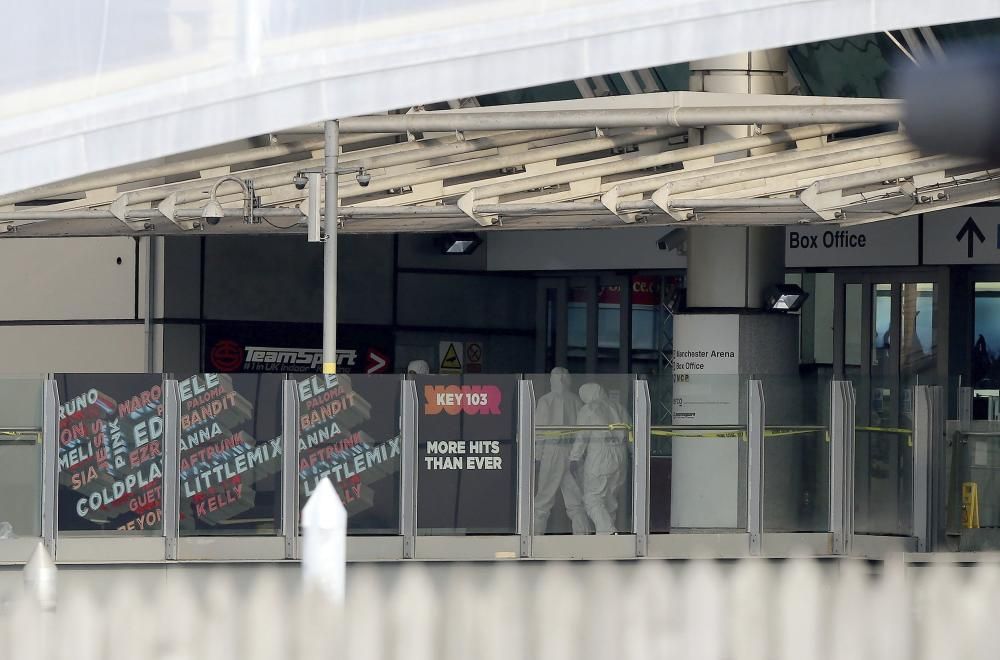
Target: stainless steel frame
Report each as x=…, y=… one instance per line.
x=928, y=497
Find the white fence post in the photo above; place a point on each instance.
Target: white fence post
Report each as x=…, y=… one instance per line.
x=324, y=543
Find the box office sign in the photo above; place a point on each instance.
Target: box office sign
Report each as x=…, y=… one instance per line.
x=349, y=433
x=467, y=430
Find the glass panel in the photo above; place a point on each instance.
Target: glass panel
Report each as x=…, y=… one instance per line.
x=20, y=457
x=467, y=461
x=583, y=453
x=609, y=322
x=883, y=482
x=576, y=336
x=230, y=454
x=349, y=431
x=796, y=488
x=986, y=349
x=854, y=67
x=975, y=487
x=110, y=453
x=698, y=460
x=918, y=345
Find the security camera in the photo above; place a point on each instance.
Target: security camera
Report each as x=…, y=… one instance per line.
x=213, y=212
x=364, y=178
x=300, y=180
x=674, y=240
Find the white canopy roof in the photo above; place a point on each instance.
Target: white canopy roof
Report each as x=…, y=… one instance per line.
x=613, y=161
x=89, y=86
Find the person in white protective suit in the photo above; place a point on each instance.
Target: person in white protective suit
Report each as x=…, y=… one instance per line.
x=557, y=408
x=604, y=455
x=418, y=368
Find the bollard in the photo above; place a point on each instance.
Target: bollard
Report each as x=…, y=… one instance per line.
x=40, y=578
x=324, y=543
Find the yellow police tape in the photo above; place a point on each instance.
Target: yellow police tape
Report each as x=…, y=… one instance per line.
x=773, y=432
x=885, y=429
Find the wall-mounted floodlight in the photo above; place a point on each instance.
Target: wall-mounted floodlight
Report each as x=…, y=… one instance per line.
x=458, y=243
x=785, y=298
x=213, y=211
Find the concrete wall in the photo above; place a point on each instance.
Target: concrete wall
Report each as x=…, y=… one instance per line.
x=72, y=305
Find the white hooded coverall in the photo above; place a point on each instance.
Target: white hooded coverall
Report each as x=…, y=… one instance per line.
x=557, y=408
x=604, y=454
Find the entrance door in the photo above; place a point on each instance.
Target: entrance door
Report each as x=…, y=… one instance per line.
x=886, y=342
x=584, y=324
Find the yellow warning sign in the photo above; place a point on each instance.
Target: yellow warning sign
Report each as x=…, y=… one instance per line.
x=970, y=505
x=451, y=357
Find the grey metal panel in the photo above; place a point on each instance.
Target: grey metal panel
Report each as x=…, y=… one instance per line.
x=289, y=468
x=171, y=467
x=839, y=424
x=408, y=467
x=922, y=429
x=791, y=545
x=467, y=548
x=685, y=546
x=598, y=547
x=17, y=551
x=755, y=464
x=109, y=549
x=74, y=269
x=880, y=547
x=231, y=548
x=50, y=464
x=525, y=464
x=374, y=548
x=850, y=440
x=641, y=413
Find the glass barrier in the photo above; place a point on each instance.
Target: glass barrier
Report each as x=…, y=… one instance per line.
x=230, y=454
x=796, y=485
x=21, y=404
x=349, y=432
x=883, y=458
x=584, y=448
x=110, y=453
x=698, y=462
x=467, y=454
x=975, y=487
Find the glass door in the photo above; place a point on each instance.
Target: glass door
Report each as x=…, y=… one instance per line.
x=886, y=343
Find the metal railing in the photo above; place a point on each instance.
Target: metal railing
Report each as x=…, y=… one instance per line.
x=746, y=537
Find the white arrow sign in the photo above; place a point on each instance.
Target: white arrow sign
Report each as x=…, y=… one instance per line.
x=324, y=542
x=376, y=363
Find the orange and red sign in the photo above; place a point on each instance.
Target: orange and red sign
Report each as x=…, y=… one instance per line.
x=456, y=399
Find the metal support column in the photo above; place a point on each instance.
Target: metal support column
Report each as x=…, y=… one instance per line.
x=841, y=435
x=642, y=414
x=965, y=395
x=290, y=468
x=50, y=464
x=525, y=464
x=928, y=428
x=755, y=465
x=408, y=467
x=171, y=466
x=332, y=148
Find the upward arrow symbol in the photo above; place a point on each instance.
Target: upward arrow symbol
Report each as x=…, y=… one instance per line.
x=969, y=230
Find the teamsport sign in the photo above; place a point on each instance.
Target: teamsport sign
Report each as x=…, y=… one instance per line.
x=349, y=433
x=467, y=431
x=110, y=452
